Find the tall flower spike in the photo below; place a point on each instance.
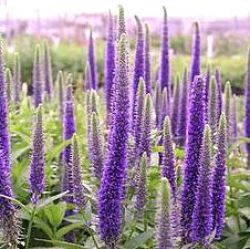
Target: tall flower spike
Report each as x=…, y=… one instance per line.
x=192, y=161
x=168, y=167
x=147, y=127
x=139, y=63
x=165, y=107
x=182, y=122
x=60, y=89
x=202, y=213
x=228, y=110
x=88, y=80
x=17, y=81
x=141, y=195
x=79, y=198
x=96, y=150
x=196, y=54
x=9, y=84
x=175, y=107
x=234, y=119
x=112, y=186
x=163, y=220
x=212, y=110
x=247, y=109
x=69, y=129
x=92, y=61
x=121, y=23
x=37, y=77
x=110, y=64
x=219, y=179
x=48, y=80
x=139, y=112
x=8, y=213
x=147, y=60
x=207, y=91
x=158, y=100
x=165, y=61
x=37, y=181
x=218, y=82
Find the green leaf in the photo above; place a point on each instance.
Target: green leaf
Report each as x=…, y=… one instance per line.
x=157, y=149
x=62, y=244
x=247, y=245
x=139, y=240
x=43, y=226
x=55, y=213
x=61, y=232
x=245, y=211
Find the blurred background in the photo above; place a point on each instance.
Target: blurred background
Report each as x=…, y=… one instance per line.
x=225, y=30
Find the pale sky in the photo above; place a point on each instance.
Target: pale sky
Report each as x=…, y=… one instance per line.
x=211, y=9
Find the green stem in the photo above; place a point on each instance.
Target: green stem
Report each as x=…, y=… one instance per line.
x=145, y=221
x=30, y=226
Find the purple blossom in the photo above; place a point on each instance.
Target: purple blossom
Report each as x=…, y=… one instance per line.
x=92, y=62
x=110, y=64
x=219, y=179
x=182, y=122
x=165, y=61
x=121, y=23
x=207, y=91
x=247, y=109
x=228, y=110
x=112, y=186
x=158, y=99
x=69, y=129
x=48, y=80
x=163, y=217
x=8, y=214
x=37, y=178
x=196, y=63
x=96, y=150
x=79, y=198
x=147, y=60
x=168, y=167
x=88, y=80
x=37, y=77
x=202, y=213
x=141, y=192
x=9, y=84
x=194, y=141
x=175, y=108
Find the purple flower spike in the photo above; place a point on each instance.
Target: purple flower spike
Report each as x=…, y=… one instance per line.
x=228, y=110
x=121, y=23
x=219, y=179
x=168, y=167
x=139, y=63
x=48, y=80
x=218, y=82
x=147, y=62
x=141, y=195
x=110, y=64
x=8, y=214
x=175, y=107
x=165, y=107
x=96, y=150
x=158, y=104
x=88, y=80
x=37, y=178
x=92, y=62
x=196, y=56
x=165, y=61
x=69, y=129
x=163, y=217
x=37, y=77
x=202, y=213
x=192, y=161
x=112, y=186
x=147, y=127
x=79, y=198
x=17, y=81
x=247, y=109
x=207, y=91
x=182, y=122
